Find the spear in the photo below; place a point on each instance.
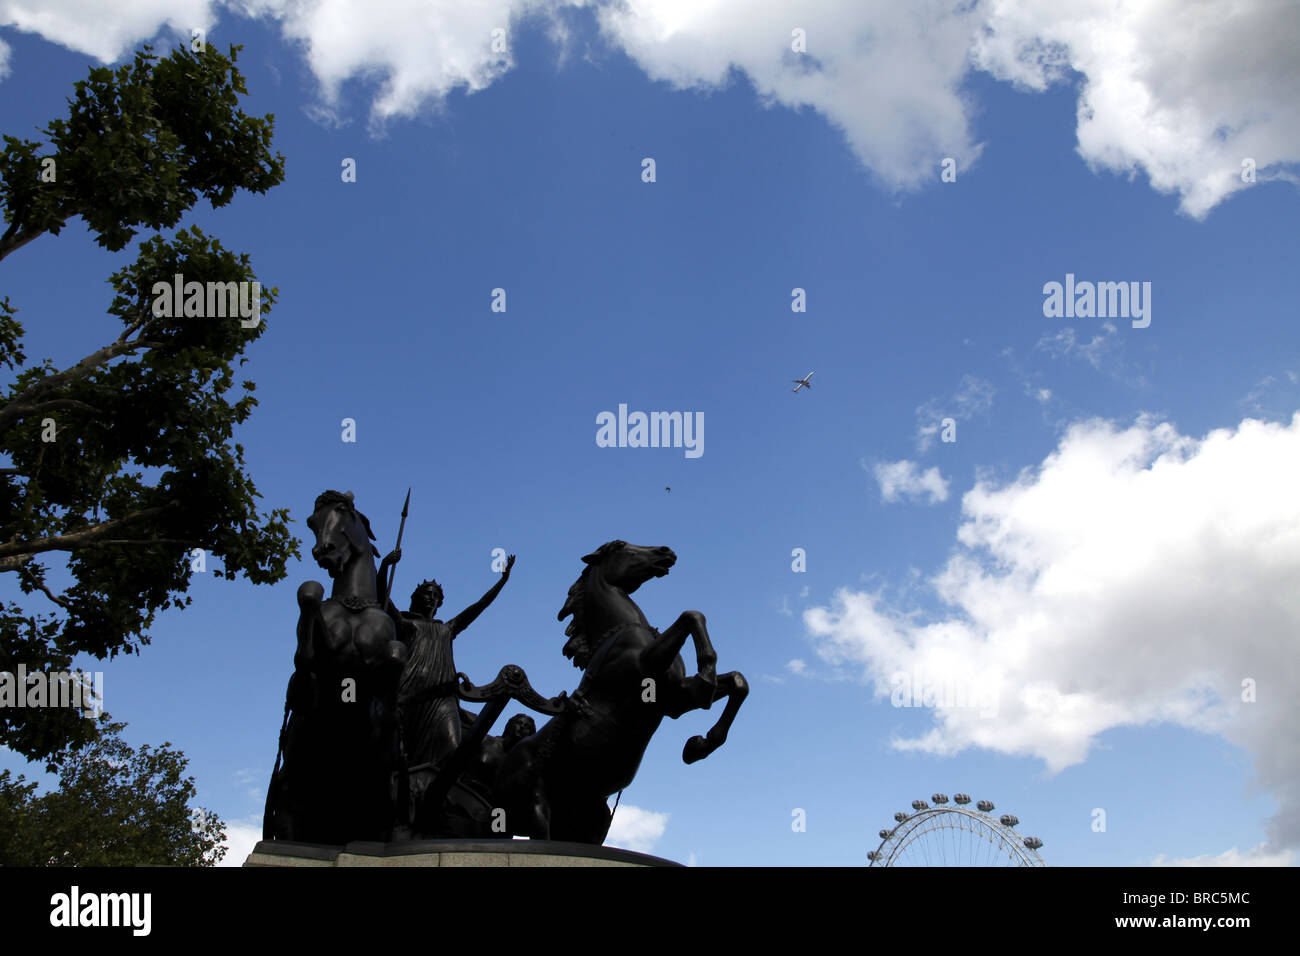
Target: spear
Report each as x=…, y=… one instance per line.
x=392, y=572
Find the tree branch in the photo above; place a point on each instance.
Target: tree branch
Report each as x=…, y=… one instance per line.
x=20, y=405
x=18, y=240
x=48, y=593
x=146, y=541
x=76, y=539
x=57, y=403
x=14, y=563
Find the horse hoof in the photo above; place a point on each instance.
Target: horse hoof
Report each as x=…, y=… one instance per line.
x=697, y=748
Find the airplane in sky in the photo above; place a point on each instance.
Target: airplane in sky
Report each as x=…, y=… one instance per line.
x=802, y=382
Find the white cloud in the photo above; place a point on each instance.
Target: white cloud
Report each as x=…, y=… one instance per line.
x=1256, y=856
x=106, y=31
x=903, y=479
x=636, y=829
x=1104, y=352
x=887, y=74
x=4, y=59
x=421, y=50
x=974, y=396
x=1137, y=576
x=1182, y=91
x=796, y=666
x=1272, y=397
x=241, y=837
x=1065, y=343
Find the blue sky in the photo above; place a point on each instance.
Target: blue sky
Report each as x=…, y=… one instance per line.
x=1109, y=546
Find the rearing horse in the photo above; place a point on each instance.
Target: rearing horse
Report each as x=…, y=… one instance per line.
x=554, y=785
x=340, y=744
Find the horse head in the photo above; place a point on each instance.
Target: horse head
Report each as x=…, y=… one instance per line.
x=342, y=533
x=599, y=598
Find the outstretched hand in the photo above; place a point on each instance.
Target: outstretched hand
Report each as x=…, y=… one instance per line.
x=510, y=563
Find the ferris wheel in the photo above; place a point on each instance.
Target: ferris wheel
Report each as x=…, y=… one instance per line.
x=954, y=835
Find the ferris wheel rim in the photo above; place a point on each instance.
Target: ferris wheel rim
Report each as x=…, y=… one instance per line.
x=920, y=823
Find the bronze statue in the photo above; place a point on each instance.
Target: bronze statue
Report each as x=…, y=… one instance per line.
x=375, y=744
x=486, y=764
x=337, y=776
x=554, y=785
x=428, y=701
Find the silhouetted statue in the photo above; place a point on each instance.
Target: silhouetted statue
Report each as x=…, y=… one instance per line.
x=491, y=757
x=428, y=699
x=375, y=744
x=554, y=785
x=338, y=776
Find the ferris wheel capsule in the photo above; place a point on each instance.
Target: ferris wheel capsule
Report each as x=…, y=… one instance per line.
x=1008, y=820
x=961, y=798
x=900, y=816
x=884, y=834
x=985, y=806
x=919, y=805
x=1033, y=843
x=873, y=855
x=938, y=799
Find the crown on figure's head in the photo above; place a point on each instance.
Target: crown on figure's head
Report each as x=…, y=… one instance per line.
x=437, y=588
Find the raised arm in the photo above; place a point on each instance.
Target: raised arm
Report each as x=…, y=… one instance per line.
x=466, y=617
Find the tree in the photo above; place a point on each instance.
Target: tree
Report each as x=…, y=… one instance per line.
x=124, y=463
x=115, y=806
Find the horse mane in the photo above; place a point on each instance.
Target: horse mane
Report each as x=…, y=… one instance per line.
x=579, y=647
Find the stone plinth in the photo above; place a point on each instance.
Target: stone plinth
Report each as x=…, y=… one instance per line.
x=532, y=853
